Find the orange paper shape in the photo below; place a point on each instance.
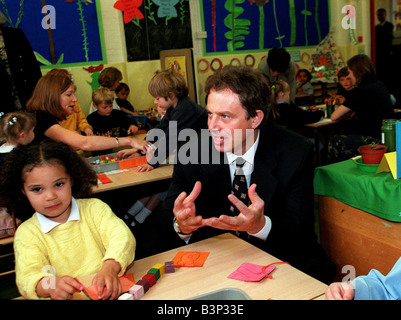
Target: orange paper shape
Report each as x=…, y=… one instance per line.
x=130, y=163
x=126, y=281
x=190, y=259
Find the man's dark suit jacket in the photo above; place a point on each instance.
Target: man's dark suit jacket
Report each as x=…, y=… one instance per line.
x=283, y=173
x=24, y=67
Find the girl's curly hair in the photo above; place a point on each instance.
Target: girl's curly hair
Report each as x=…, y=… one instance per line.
x=24, y=158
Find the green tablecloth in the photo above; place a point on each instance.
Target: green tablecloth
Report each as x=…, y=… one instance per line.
x=378, y=194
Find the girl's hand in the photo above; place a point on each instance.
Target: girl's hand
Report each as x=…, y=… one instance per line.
x=63, y=288
x=133, y=129
x=107, y=281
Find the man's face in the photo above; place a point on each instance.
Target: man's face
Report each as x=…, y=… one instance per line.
x=231, y=128
x=381, y=16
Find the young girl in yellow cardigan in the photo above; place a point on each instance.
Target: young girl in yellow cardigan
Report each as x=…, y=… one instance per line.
x=69, y=234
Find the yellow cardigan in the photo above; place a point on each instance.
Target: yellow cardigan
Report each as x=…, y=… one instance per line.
x=76, y=121
x=75, y=248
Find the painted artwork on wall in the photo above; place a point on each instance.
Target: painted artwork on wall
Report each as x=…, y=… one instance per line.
x=154, y=25
x=61, y=33
x=233, y=26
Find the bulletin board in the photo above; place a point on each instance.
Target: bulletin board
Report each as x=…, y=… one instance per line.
x=180, y=60
x=154, y=25
x=61, y=33
x=256, y=25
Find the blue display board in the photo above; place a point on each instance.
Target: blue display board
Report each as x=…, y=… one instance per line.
x=60, y=31
x=245, y=25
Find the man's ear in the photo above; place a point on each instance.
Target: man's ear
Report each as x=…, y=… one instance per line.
x=257, y=120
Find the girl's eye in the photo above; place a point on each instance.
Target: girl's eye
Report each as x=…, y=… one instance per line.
x=59, y=184
x=36, y=189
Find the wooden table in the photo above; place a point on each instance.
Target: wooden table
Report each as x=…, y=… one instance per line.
x=227, y=253
x=128, y=178
x=356, y=240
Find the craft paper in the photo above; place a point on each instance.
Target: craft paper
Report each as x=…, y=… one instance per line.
x=103, y=178
x=190, y=259
x=130, y=9
x=126, y=281
x=389, y=163
x=166, y=8
x=250, y=272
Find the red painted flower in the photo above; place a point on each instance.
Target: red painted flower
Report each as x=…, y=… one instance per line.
x=130, y=9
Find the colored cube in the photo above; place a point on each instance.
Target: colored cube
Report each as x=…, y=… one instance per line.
x=137, y=291
x=160, y=267
x=169, y=267
x=144, y=283
x=156, y=272
x=151, y=279
x=126, y=296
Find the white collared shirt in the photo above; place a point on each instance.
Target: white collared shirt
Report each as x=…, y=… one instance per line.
x=249, y=157
x=46, y=224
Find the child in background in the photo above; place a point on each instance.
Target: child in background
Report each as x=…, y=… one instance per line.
x=108, y=121
x=287, y=114
x=304, y=87
x=122, y=93
x=345, y=87
x=170, y=93
x=71, y=237
x=16, y=128
x=109, y=78
x=374, y=286
x=76, y=121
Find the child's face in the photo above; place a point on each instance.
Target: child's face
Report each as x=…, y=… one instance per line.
x=161, y=102
x=26, y=136
x=48, y=189
x=123, y=94
x=346, y=82
x=68, y=100
x=302, y=77
x=104, y=108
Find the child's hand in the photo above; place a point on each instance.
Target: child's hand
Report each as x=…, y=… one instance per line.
x=133, y=129
x=144, y=168
x=88, y=132
x=340, y=291
x=64, y=288
x=108, y=284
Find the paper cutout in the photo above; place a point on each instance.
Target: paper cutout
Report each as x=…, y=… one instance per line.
x=166, y=8
x=388, y=164
x=190, y=259
x=126, y=281
x=130, y=9
x=103, y=178
x=130, y=163
x=250, y=272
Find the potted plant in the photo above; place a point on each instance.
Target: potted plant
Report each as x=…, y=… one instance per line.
x=372, y=153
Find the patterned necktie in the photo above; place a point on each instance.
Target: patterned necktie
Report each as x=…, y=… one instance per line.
x=240, y=187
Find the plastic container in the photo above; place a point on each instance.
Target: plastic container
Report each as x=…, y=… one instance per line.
x=388, y=134
x=223, y=294
x=365, y=167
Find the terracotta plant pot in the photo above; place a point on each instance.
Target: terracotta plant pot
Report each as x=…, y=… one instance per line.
x=372, y=155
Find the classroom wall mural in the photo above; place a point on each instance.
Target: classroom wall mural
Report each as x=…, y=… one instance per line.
x=154, y=25
x=61, y=32
x=243, y=25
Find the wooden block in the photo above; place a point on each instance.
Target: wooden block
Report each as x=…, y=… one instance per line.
x=126, y=296
x=156, y=272
x=151, y=279
x=169, y=267
x=137, y=291
x=160, y=267
x=144, y=283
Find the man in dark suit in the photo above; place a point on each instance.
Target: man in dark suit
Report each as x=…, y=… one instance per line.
x=19, y=69
x=278, y=168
